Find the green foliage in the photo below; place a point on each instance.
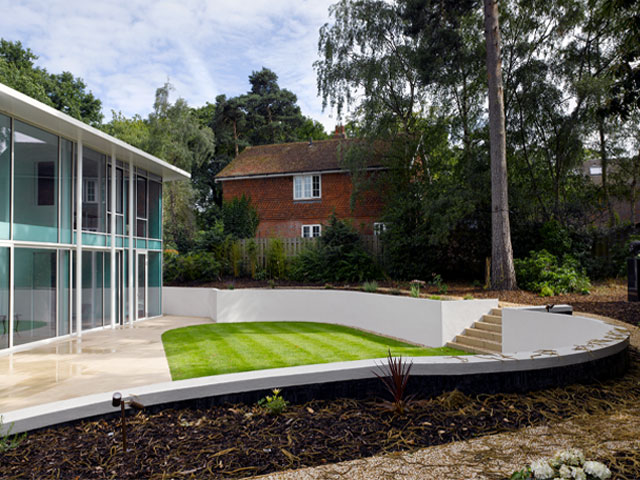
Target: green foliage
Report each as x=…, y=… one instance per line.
x=8, y=442
x=274, y=404
x=276, y=260
x=370, y=287
x=191, y=267
x=235, y=257
x=252, y=254
x=337, y=256
x=542, y=273
x=240, y=218
x=524, y=474
x=414, y=290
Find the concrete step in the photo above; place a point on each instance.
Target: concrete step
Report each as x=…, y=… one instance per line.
x=495, y=319
x=489, y=327
x=496, y=311
x=479, y=343
x=468, y=348
x=483, y=334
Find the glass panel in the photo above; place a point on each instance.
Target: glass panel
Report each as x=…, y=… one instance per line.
x=94, y=239
x=119, y=178
x=141, y=197
x=92, y=276
x=154, y=245
x=125, y=276
x=66, y=189
x=94, y=182
x=141, y=230
x=155, y=284
x=35, y=295
x=64, y=290
x=107, y=289
x=119, y=224
x=35, y=180
x=126, y=205
x=155, y=210
x=5, y=175
x=4, y=297
x=119, y=284
x=142, y=284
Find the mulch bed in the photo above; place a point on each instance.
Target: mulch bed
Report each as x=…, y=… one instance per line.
x=242, y=440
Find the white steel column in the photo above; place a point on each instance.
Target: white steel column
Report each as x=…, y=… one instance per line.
x=132, y=224
x=78, y=305
x=113, y=239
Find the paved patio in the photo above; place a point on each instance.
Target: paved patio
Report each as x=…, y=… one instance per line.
x=100, y=361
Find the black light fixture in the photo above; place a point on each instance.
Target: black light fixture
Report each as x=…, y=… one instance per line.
x=118, y=401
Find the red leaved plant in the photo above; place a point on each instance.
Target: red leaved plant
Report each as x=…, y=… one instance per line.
x=395, y=378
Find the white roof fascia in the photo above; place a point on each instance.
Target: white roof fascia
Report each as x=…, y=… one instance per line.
x=24, y=108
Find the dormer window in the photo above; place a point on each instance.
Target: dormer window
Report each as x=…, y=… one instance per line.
x=306, y=187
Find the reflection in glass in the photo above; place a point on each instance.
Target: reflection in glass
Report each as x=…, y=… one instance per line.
x=5, y=175
x=94, y=183
x=66, y=189
x=155, y=209
x=155, y=284
x=36, y=184
x=4, y=297
x=142, y=284
x=141, y=206
x=35, y=280
x=64, y=292
x=92, y=294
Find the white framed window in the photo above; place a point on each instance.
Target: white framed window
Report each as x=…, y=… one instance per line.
x=306, y=187
x=89, y=191
x=378, y=228
x=311, y=231
x=595, y=170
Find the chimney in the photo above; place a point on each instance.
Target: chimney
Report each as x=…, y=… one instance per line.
x=340, y=132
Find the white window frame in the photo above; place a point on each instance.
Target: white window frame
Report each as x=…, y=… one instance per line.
x=378, y=228
x=311, y=228
x=85, y=190
x=303, y=179
x=595, y=171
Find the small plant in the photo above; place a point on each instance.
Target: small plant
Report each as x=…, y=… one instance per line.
x=370, y=287
x=414, y=288
x=395, y=378
x=328, y=286
x=274, y=404
x=436, y=281
x=7, y=442
x=272, y=283
x=546, y=291
x=564, y=464
x=230, y=286
x=468, y=296
x=435, y=297
x=395, y=291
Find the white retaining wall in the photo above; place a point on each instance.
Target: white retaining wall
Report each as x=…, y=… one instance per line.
x=527, y=331
x=417, y=320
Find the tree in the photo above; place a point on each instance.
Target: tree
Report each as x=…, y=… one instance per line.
x=503, y=276
x=61, y=91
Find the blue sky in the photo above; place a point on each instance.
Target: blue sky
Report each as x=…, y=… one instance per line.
x=124, y=50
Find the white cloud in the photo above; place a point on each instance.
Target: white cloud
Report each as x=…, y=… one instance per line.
x=124, y=50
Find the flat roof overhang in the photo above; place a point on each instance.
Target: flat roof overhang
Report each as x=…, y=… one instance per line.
x=31, y=111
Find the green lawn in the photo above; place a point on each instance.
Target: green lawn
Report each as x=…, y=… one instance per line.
x=213, y=349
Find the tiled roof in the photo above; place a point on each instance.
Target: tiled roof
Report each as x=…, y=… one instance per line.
x=283, y=158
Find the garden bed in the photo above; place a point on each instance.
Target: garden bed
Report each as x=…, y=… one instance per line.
x=241, y=440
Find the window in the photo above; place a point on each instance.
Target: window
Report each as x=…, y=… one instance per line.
x=311, y=231
x=378, y=228
x=595, y=170
x=90, y=191
x=306, y=187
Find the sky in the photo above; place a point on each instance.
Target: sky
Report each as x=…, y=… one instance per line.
x=125, y=49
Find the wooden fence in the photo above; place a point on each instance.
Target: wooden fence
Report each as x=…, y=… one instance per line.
x=293, y=246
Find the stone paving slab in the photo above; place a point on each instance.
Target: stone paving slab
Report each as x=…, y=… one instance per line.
x=99, y=361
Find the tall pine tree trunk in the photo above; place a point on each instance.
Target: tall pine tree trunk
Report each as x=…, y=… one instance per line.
x=503, y=275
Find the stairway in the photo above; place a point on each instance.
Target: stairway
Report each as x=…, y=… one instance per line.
x=484, y=336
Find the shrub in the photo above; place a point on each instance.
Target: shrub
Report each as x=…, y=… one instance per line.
x=193, y=267
x=542, y=273
x=414, y=290
x=338, y=256
x=370, y=287
x=240, y=218
x=276, y=261
x=274, y=404
x=252, y=254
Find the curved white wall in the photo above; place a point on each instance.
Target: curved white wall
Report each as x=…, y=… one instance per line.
x=417, y=320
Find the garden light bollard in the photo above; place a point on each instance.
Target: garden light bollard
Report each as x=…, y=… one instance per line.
x=117, y=401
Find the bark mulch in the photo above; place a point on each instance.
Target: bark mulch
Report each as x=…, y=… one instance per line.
x=241, y=440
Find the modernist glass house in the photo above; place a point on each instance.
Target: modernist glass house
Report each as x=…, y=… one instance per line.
x=80, y=225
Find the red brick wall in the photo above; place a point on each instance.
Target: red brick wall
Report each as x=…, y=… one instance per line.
x=281, y=216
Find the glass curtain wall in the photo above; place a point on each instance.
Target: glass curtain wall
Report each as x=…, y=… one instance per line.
x=36, y=184
x=35, y=282
x=141, y=207
x=4, y=297
x=94, y=182
x=66, y=190
x=64, y=293
x=155, y=284
x=5, y=175
x=155, y=210
x=92, y=290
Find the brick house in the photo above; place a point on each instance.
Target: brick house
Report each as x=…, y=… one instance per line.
x=295, y=187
